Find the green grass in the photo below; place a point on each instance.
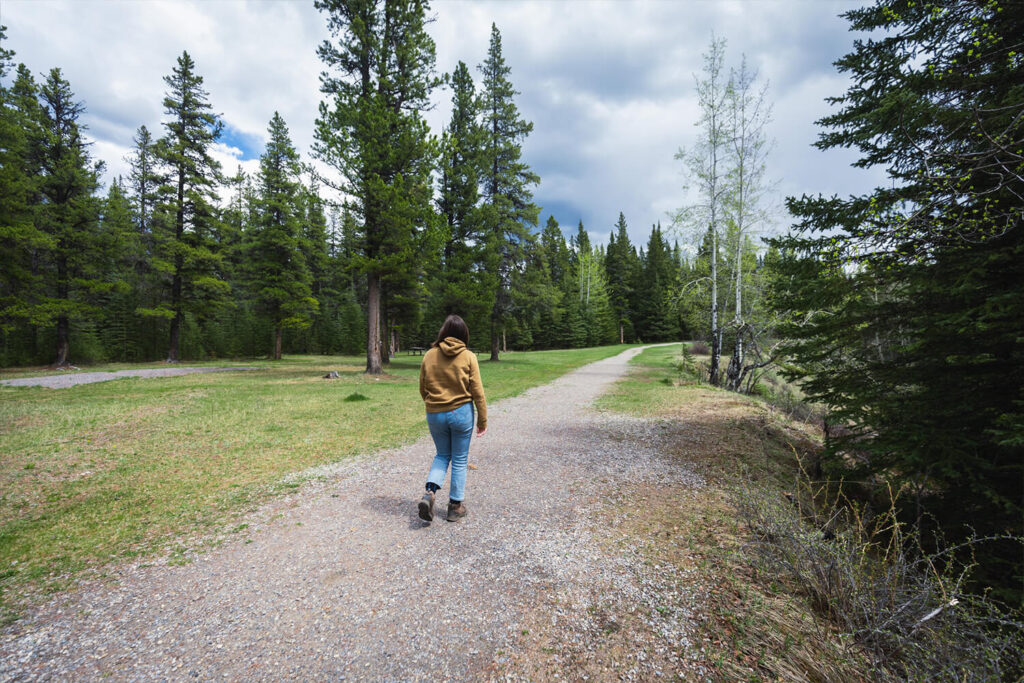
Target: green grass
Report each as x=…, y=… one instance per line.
x=649, y=388
x=105, y=472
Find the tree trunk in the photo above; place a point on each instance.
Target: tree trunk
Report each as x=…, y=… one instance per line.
x=172, y=351
x=179, y=231
x=385, y=346
x=716, y=333
x=504, y=346
x=373, y=364
x=734, y=373
x=495, y=325
x=277, y=343
x=622, y=333
x=736, y=364
x=63, y=326
x=63, y=343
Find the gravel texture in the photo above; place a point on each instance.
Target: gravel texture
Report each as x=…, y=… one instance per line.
x=75, y=378
x=342, y=581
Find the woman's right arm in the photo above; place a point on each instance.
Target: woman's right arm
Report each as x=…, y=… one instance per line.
x=476, y=390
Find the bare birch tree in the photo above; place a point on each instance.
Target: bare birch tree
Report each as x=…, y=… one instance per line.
x=707, y=165
x=748, y=113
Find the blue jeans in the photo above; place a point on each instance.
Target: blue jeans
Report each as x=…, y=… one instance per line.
x=452, y=432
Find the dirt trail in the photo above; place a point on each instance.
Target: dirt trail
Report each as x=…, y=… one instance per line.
x=342, y=581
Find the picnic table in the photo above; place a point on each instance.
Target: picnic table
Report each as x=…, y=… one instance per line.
x=417, y=350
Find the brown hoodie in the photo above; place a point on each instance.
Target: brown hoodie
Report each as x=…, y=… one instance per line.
x=450, y=377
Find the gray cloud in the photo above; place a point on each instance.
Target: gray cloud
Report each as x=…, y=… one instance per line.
x=608, y=85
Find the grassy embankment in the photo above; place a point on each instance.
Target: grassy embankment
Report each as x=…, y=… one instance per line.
x=755, y=628
x=107, y=472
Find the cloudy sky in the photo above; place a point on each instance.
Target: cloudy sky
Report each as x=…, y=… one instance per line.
x=609, y=86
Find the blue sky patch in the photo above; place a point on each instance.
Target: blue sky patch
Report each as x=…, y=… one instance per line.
x=565, y=212
x=251, y=145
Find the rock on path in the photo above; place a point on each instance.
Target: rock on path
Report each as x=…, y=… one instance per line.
x=73, y=379
x=342, y=581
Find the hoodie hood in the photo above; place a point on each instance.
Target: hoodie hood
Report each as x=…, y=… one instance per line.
x=451, y=346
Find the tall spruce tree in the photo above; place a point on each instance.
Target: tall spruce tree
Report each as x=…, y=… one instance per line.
x=654, y=288
x=554, y=256
x=904, y=305
x=118, y=253
x=20, y=237
x=144, y=180
x=619, y=268
x=279, y=272
x=465, y=287
x=371, y=130
x=69, y=211
x=316, y=251
x=508, y=207
x=186, y=257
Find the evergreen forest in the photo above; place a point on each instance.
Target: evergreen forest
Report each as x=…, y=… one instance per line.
x=900, y=312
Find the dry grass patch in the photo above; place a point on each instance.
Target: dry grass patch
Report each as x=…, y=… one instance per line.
x=752, y=626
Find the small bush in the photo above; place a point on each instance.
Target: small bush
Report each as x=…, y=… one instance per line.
x=357, y=397
x=685, y=367
x=699, y=348
x=867, y=574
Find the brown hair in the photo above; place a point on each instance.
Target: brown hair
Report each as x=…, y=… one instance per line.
x=454, y=326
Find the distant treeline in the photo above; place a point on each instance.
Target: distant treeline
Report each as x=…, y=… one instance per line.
x=180, y=261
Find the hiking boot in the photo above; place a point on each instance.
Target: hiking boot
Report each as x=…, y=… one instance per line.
x=456, y=511
x=427, y=507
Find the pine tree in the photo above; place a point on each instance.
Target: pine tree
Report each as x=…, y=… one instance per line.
x=20, y=238
x=508, y=201
x=465, y=287
x=118, y=254
x=372, y=131
x=619, y=267
x=596, y=305
x=656, y=320
x=556, y=252
x=69, y=212
x=316, y=251
x=144, y=180
x=185, y=251
x=552, y=257
x=277, y=262
x=904, y=306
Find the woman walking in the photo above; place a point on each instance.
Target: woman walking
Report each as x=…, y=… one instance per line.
x=450, y=386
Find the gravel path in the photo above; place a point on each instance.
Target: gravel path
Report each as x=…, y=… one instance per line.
x=342, y=581
x=75, y=378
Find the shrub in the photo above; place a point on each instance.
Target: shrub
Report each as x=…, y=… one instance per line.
x=699, y=348
x=867, y=574
x=685, y=366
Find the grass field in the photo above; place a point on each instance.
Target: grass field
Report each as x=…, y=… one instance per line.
x=104, y=472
